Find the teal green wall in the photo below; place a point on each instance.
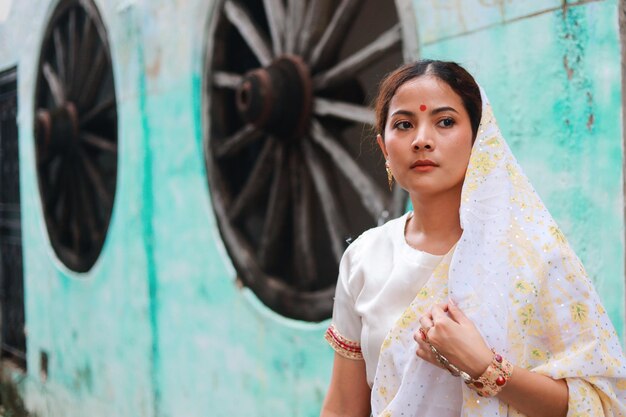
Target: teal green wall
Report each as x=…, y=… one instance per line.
x=220, y=351
x=159, y=328
x=95, y=327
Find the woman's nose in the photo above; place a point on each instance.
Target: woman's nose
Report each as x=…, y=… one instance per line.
x=422, y=141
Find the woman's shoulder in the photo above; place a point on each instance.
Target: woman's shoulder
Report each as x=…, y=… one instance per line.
x=379, y=236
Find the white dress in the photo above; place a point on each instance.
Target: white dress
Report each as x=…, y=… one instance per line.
x=379, y=276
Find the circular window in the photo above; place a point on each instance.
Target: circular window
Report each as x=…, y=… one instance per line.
x=292, y=172
x=76, y=133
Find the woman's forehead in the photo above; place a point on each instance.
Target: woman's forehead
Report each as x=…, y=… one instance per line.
x=425, y=89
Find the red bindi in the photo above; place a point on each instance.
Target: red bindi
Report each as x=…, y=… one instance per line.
x=423, y=107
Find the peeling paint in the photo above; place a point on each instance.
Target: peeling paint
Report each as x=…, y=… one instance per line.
x=568, y=70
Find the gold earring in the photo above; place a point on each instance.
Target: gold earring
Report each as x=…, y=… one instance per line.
x=389, y=175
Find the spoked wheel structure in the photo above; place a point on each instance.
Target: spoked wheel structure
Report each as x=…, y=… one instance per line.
x=76, y=133
x=290, y=155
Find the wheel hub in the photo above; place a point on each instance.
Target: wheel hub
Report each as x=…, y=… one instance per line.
x=277, y=98
x=60, y=124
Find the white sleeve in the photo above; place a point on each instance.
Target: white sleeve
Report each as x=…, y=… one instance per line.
x=344, y=333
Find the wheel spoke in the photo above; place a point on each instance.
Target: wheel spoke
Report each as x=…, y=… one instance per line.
x=334, y=33
x=275, y=217
x=56, y=187
x=371, y=196
x=47, y=158
x=276, y=20
x=59, y=54
x=312, y=27
x=255, y=183
x=304, y=257
x=56, y=88
x=294, y=24
x=335, y=225
x=64, y=221
x=238, y=141
x=86, y=198
x=93, y=82
x=84, y=55
x=72, y=49
x=222, y=79
x=74, y=221
x=359, y=60
x=99, y=142
x=240, y=18
x=347, y=111
x=97, y=110
x=96, y=180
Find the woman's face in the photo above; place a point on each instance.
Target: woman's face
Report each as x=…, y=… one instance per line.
x=428, y=137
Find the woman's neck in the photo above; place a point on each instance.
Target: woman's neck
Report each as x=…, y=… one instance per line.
x=435, y=225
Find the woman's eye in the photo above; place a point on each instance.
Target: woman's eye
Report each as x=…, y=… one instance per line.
x=447, y=122
x=403, y=125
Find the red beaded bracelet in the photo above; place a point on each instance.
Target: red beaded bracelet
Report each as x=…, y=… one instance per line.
x=490, y=383
x=495, y=377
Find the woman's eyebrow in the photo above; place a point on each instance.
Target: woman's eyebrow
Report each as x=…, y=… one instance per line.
x=403, y=112
x=443, y=109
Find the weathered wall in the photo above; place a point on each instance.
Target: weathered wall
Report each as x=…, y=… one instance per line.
x=95, y=327
x=158, y=327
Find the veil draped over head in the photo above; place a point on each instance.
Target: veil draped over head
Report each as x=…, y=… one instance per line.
x=515, y=276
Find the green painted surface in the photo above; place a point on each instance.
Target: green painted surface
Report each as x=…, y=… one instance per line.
x=95, y=326
x=159, y=328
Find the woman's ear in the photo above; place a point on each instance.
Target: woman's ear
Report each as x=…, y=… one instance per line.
x=381, y=145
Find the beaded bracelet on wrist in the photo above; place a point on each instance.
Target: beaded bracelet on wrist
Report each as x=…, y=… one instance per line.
x=490, y=383
x=495, y=377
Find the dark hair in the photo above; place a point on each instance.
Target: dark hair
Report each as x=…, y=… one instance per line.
x=451, y=73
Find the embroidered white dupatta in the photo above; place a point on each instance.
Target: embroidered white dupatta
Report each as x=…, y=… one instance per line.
x=514, y=274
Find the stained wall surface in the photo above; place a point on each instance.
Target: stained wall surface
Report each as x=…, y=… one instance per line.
x=159, y=327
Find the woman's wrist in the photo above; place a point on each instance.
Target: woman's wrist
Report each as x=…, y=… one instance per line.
x=477, y=366
x=488, y=382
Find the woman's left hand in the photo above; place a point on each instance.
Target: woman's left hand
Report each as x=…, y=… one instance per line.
x=456, y=337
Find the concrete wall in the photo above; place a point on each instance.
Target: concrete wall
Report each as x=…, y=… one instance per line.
x=158, y=327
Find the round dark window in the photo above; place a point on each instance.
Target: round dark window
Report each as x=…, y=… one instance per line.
x=76, y=133
x=292, y=170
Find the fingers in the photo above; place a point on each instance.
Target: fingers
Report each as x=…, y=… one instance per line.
x=426, y=322
x=419, y=338
x=457, y=314
x=423, y=350
x=438, y=313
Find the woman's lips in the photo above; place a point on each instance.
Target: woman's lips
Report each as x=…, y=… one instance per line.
x=423, y=165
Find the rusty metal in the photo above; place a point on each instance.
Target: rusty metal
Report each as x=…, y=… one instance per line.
x=286, y=105
x=277, y=99
x=76, y=132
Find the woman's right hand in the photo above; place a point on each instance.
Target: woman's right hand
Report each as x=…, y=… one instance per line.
x=456, y=337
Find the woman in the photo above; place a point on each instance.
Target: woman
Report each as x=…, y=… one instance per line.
x=473, y=304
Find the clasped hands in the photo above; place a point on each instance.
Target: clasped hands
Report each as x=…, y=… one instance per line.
x=454, y=336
